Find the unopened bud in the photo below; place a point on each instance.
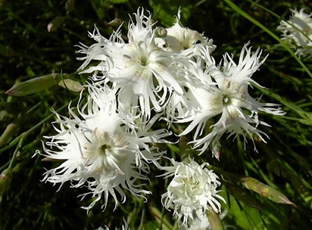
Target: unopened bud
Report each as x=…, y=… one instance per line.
x=4, y=115
x=214, y=220
x=34, y=85
x=7, y=134
x=265, y=190
x=5, y=179
x=115, y=22
x=71, y=85
x=70, y=5
x=161, y=32
x=55, y=23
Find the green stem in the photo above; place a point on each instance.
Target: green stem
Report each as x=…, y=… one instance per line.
x=17, y=139
x=16, y=150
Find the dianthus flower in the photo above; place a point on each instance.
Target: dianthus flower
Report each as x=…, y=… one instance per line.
x=192, y=191
x=143, y=74
x=223, y=90
x=298, y=32
x=183, y=40
x=101, y=149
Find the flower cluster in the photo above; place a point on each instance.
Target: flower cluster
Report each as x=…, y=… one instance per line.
x=298, y=32
x=155, y=74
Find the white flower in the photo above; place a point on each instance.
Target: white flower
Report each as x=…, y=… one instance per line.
x=101, y=149
x=183, y=40
x=224, y=91
x=298, y=31
x=142, y=72
x=192, y=191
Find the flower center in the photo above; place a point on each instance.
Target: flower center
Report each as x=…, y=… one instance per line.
x=143, y=60
x=103, y=149
x=194, y=185
x=226, y=100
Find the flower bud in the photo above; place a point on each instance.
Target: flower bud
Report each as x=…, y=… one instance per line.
x=55, y=23
x=5, y=179
x=115, y=22
x=7, y=134
x=71, y=85
x=70, y=5
x=265, y=190
x=214, y=220
x=34, y=85
x=161, y=32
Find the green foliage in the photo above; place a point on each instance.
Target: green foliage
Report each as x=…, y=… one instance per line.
x=270, y=189
x=165, y=9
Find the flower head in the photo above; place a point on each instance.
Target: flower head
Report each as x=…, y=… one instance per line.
x=184, y=41
x=298, y=32
x=143, y=73
x=224, y=91
x=192, y=191
x=101, y=149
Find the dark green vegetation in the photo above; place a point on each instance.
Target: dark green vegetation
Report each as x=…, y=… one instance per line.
x=279, y=196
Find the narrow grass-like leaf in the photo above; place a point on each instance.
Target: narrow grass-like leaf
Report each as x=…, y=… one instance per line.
x=160, y=218
x=243, y=196
x=18, y=138
x=307, y=116
x=257, y=23
x=7, y=51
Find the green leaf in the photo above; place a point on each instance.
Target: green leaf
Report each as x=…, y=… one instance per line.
x=118, y=1
x=244, y=216
x=264, y=28
x=166, y=10
x=7, y=51
x=160, y=219
x=151, y=225
x=244, y=196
